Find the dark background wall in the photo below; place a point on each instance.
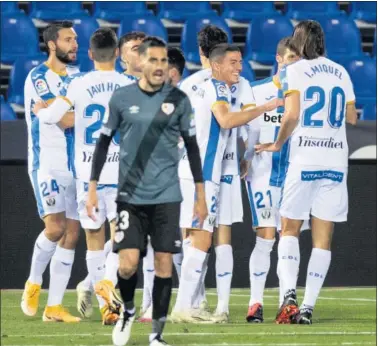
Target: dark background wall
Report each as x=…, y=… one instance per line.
x=354, y=250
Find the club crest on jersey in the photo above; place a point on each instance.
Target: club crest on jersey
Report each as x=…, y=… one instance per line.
x=118, y=236
x=168, y=108
x=41, y=87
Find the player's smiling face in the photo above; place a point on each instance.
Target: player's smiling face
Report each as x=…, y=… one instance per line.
x=155, y=65
x=66, y=45
x=230, y=68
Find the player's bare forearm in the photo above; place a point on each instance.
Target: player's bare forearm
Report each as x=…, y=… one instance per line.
x=288, y=124
x=236, y=119
x=67, y=121
x=200, y=190
x=351, y=114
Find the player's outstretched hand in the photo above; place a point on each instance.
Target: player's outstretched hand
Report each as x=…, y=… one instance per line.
x=244, y=167
x=38, y=106
x=92, y=203
x=273, y=104
x=259, y=148
x=200, y=210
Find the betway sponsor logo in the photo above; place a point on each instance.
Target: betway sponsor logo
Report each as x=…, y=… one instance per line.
x=330, y=142
x=228, y=156
x=275, y=119
x=112, y=157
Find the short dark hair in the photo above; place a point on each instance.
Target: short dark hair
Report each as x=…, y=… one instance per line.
x=285, y=43
x=151, y=42
x=103, y=44
x=220, y=50
x=209, y=36
x=134, y=35
x=308, y=39
x=176, y=59
x=51, y=33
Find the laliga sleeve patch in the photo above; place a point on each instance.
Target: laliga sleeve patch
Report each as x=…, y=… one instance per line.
x=41, y=87
x=222, y=90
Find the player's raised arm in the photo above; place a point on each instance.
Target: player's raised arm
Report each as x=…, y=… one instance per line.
x=188, y=133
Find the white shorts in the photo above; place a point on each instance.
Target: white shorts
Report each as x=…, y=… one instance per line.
x=55, y=193
x=230, y=201
x=317, y=191
x=187, y=218
x=107, y=206
x=264, y=203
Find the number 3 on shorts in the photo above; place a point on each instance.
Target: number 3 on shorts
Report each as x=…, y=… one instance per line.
x=123, y=220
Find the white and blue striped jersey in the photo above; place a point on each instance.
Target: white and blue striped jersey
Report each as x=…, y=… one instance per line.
x=211, y=138
x=89, y=94
x=268, y=125
x=325, y=89
x=241, y=99
x=50, y=149
x=190, y=84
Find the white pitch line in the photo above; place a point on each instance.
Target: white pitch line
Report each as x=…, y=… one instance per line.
x=227, y=344
x=198, y=334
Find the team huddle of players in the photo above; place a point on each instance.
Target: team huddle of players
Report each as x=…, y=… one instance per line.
x=295, y=164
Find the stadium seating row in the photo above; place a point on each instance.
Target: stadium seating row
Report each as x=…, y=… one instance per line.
x=180, y=11
x=19, y=36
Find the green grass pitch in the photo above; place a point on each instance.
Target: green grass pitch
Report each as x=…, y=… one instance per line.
x=343, y=316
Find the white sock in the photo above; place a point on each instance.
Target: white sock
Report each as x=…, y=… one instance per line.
x=224, y=266
x=186, y=243
x=60, y=273
x=288, y=261
x=191, y=270
x=281, y=291
x=259, y=264
x=108, y=247
x=96, y=269
x=200, y=293
x=43, y=251
x=111, y=267
x=148, y=276
x=177, y=261
x=316, y=272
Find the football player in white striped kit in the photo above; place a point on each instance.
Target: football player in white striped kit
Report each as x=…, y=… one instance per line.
x=319, y=100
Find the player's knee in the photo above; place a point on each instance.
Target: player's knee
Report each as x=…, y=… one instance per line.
x=127, y=270
x=163, y=264
x=201, y=240
x=55, y=228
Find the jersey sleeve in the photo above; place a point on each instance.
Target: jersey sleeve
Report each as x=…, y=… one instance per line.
x=247, y=99
x=187, y=122
x=289, y=80
x=69, y=92
x=41, y=86
x=112, y=117
x=222, y=93
x=349, y=91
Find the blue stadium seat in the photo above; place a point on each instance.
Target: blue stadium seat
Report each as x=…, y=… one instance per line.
x=114, y=11
x=6, y=111
x=84, y=63
x=84, y=28
x=189, y=34
x=57, y=10
x=263, y=35
x=247, y=72
x=9, y=7
x=19, y=38
x=375, y=44
x=19, y=72
x=363, y=73
x=179, y=11
x=364, y=10
x=146, y=23
x=343, y=38
x=186, y=73
x=301, y=10
x=245, y=11
x=369, y=111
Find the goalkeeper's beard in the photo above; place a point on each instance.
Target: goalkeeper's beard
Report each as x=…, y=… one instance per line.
x=63, y=57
